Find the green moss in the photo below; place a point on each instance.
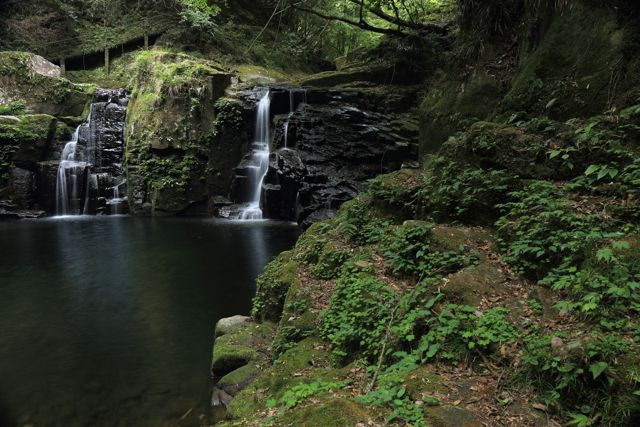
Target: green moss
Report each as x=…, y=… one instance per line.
x=327, y=413
x=173, y=158
x=395, y=193
x=423, y=382
x=308, y=356
x=452, y=103
x=240, y=378
x=24, y=139
x=330, y=259
x=234, y=350
x=572, y=66
x=272, y=286
x=39, y=93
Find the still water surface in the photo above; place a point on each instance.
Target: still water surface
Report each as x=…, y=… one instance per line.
x=109, y=321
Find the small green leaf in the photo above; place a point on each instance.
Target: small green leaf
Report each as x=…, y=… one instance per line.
x=433, y=349
x=591, y=170
x=598, y=368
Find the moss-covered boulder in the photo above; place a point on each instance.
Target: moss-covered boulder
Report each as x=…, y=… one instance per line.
x=245, y=345
x=272, y=287
x=304, y=363
x=229, y=325
x=30, y=80
x=25, y=139
x=176, y=153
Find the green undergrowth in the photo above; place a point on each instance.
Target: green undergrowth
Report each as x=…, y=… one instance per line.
x=378, y=283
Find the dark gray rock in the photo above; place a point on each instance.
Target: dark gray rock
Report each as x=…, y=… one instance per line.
x=336, y=140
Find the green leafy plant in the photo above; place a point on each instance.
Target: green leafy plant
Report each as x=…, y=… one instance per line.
x=301, y=392
x=408, y=251
x=358, y=312
x=360, y=223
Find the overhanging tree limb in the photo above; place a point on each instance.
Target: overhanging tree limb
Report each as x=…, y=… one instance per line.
x=360, y=24
x=377, y=10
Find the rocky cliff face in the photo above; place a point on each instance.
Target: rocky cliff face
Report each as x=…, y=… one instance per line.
x=175, y=156
x=326, y=145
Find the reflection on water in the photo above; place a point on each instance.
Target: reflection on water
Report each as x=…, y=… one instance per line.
x=109, y=321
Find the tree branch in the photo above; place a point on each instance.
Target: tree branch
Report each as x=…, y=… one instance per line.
x=362, y=24
x=376, y=10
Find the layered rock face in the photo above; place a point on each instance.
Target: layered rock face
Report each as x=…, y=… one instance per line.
x=325, y=147
x=182, y=137
x=101, y=143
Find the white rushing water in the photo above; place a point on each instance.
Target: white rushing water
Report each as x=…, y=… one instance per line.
x=259, y=159
x=68, y=173
x=90, y=165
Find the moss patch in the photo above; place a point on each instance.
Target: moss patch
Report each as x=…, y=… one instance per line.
x=24, y=140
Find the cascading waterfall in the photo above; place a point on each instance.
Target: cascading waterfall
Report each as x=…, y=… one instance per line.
x=259, y=159
x=67, y=163
x=90, y=173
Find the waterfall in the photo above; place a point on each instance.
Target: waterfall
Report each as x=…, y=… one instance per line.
x=292, y=109
x=259, y=159
x=68, y=179
x=91, y=163
x=286, y=132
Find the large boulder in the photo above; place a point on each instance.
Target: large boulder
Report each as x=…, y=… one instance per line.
x=31, y=81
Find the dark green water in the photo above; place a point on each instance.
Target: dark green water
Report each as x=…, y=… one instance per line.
x=109, y=321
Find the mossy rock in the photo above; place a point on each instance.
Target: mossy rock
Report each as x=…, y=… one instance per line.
x=569, y=73
x=239, y=379
x=395, y=192
x=329, y=412
x=470, y=285
x=272, y=286
x=297, y=322
x=450, y=416
x=424, y=382
x=453, y=103
x=24, y=141
x=35, y=82
x=174, y=151
x=329, y=262
x=308, y=360
x=229, y=325
x=245, y=345
x=448, y=237
x=497, y=146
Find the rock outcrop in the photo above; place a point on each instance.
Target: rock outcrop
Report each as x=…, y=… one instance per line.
x=335, y=141
x=182, y=138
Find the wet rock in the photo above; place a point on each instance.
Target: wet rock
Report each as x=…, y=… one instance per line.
x=333, y=150
x=332, y=146
x=23, y=186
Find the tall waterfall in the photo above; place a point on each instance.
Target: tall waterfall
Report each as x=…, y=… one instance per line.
x=70, y=176
x=90, y=175
x=259, y=159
